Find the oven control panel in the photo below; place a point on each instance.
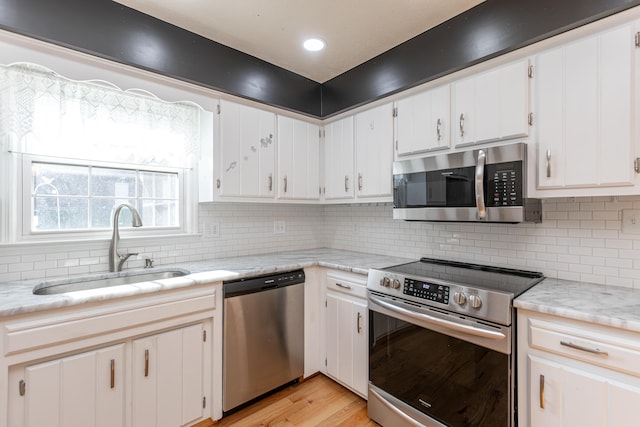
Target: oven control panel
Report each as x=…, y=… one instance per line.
x=426, y=290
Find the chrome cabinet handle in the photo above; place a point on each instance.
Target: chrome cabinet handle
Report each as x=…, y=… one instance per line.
x=439, y=129
x=113, y=373
x=548, y=163
x=359, y=182
x=482, y=212
x=462, y=124
x=285, y=184
x=541, y=391
x=636, y=162
x=218, y=183
x=146, y=363
x=270, y=182
x=340, y=285
x=359, y=327
x=346, y=183
x=583, y=348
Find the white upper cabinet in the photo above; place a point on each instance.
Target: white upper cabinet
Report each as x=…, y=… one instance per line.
x=374, y=152
x=339, y=160
x=423, y=121
x=585, y=114
x=246, y=162
x=492, y=105
x=298, y=159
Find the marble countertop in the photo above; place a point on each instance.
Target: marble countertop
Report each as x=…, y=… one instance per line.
x=17, y=297
x=605, y=305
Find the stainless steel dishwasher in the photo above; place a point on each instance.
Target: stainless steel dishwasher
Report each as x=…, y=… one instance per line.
x=263, y=335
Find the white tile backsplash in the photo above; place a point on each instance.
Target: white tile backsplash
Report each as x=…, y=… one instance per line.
x=579, y=239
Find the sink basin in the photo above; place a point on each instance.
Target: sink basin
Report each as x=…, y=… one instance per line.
x=62, y=286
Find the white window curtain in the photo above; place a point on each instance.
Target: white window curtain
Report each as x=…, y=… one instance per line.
x=46, y=114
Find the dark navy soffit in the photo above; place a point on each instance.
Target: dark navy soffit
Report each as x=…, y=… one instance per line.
x=110, y=30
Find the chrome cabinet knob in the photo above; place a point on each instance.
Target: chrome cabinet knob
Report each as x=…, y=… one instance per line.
x=460, y=298
x=395, y=284
x=475, y=301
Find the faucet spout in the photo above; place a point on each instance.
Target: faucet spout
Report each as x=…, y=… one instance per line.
x=115, y=259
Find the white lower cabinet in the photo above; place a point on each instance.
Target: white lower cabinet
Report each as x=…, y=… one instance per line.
x=88, y=389
x=576, y=374
x=313, y=361
x=566, y=396
x=168, y=378
x=153, y=360
x=82, y=390
x=347, y=331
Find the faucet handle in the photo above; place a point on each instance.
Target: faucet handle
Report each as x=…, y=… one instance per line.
x=124, y=258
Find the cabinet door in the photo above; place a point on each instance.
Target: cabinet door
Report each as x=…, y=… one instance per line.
x=338, y=159
x=492, y=105
x=422, y=121
x=623, y=405
x=247, y=151
x=77, y=391
x=584, y=112
x=298, y=159
x=167, y=378
x=338, y=340
x=545, y=393
x=571, y=397
x=360, y=365
x=374, y=151
x=346, y=343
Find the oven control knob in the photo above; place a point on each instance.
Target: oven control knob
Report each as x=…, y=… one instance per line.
x=385, y=281
x=395, y=284
x=460, y=298
x=475, y=301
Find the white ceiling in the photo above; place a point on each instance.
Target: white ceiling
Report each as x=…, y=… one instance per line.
x=273, y=30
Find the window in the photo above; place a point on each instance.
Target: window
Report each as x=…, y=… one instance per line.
x=71, y=197
x=73, y=151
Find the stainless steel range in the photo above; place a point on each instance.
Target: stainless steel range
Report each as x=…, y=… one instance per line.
x=441, y=343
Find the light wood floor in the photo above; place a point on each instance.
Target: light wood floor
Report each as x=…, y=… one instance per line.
x=317, y=401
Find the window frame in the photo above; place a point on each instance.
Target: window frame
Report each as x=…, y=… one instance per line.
x=23, y=215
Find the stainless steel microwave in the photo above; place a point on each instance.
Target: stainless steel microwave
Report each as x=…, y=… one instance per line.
x=481, y=185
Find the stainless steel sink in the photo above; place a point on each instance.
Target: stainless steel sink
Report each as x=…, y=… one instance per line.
x=62, y=286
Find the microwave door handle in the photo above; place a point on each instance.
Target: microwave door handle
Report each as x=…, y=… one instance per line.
x=482, y=212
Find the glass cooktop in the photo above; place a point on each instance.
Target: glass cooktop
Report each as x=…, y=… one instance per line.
x=499, y=279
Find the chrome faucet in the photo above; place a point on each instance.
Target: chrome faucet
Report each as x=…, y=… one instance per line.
x=113, y=248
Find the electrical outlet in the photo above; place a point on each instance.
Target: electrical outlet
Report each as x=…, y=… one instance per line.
x=279, y=227
x=630, y=221
x=212, y=230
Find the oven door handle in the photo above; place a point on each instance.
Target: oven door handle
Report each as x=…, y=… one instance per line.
x=471, y=330
x=410, y=421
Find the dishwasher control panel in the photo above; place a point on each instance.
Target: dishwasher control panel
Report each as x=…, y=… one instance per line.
x=248, y=285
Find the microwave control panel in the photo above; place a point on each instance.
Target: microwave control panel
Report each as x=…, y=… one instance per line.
x=426, y=290
x=504, y=184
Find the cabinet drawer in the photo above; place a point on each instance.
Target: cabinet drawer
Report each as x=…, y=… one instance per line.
x=348, y=284
x=607, y=350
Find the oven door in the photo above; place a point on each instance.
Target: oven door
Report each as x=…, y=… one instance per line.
x=428, y=367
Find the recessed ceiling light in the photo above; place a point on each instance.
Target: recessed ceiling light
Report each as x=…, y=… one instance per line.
x=314, y=44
